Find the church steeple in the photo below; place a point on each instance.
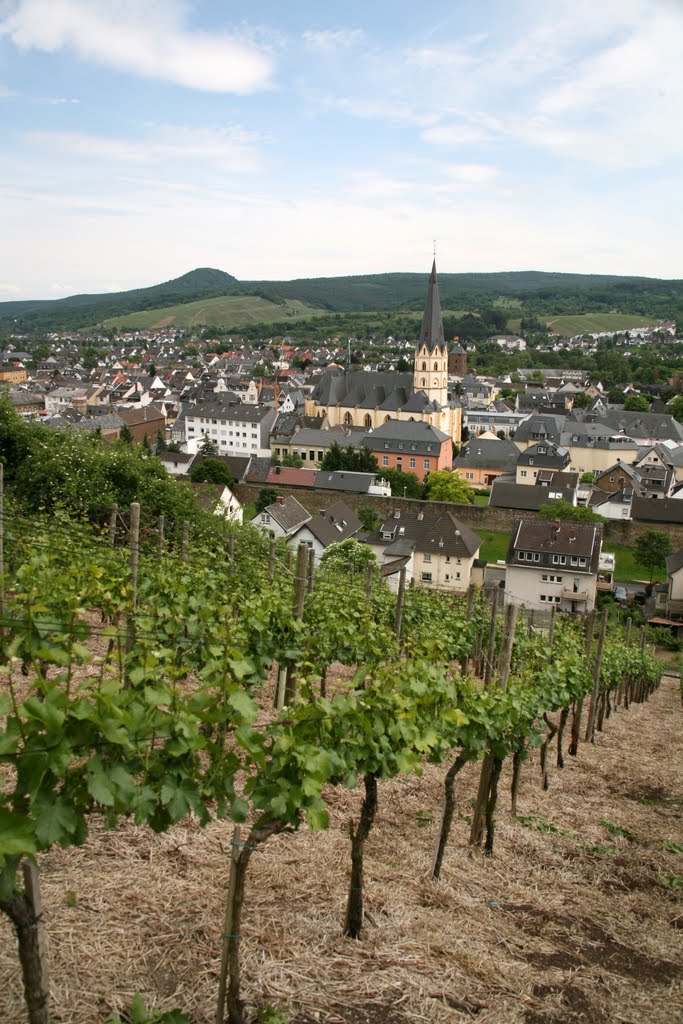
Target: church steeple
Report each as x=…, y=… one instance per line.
x=431, y=353
x=431, y=332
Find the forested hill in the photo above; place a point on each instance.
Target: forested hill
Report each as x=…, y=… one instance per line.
x=535, y=291
x=83, y=310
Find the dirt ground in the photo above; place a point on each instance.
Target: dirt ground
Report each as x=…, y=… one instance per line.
x=576, y=918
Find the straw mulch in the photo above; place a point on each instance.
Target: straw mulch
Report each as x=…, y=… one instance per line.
x=571, y=920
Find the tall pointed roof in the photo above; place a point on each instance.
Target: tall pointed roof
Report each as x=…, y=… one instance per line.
x=431, y=332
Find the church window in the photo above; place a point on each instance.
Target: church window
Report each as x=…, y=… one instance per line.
x=387, y=418
x=348, y=419
x=436, y=383
x=436, y=366
x=424, y=383
x=424, y=366
x=367, y=422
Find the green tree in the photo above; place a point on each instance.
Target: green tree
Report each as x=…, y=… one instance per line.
x=652, y=549
x=675, y=408
x=581, y=401
x=636, y=403
x=369, y=518
x=125, y=434
x=403, y=485
x=350, y=459
x=348, y=556
x=565, y=511
x=212, y=471
x=207, y=447
x=160, y=444
x=588, y=478
x=292, y=460
x=445, y=485
x=266, y=496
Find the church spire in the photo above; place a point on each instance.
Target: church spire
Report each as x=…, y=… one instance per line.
x=431, y=332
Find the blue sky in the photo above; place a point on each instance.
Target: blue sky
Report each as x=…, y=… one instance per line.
x=142, y=138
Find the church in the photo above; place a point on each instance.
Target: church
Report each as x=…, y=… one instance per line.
x=369, y=399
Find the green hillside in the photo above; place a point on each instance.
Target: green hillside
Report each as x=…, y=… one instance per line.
x=592, y=323
x=227, y=311
x=545, y=295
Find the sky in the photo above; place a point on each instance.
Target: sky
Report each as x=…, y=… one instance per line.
x=140, y=139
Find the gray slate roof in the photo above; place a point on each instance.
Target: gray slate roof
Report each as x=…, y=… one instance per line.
x=485, y=453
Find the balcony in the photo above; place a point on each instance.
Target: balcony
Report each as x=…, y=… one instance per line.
x=574, y=595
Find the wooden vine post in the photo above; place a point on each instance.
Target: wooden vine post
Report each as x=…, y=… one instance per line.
x=578, y=705
x=113, y=517
x=160, y=535
x=589, y=736
x=134, y=560
x=25, y=911
x=271, y=560
x=229, y=977
x=487, y=794
x=185, y=549
x=491, y=648
x=400, y=598
x=298, y=609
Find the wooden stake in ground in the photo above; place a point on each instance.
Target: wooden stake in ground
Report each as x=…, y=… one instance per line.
x=590, y=724
x=25, y=911
x=239, y=862
x=400, y=598
x=354, y=905
x=490, y=769
x=490, y=650
x=298, y=599
x=271, y=560
x=134, y=559
x=113, y=516
x=446, y=814
x=578, y=706
x=185, y=549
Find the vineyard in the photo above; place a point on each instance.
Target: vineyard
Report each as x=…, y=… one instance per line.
x=158, y=686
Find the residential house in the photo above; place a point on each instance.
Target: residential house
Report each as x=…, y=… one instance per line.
x=674, y=572
x=235, y=428
x=549, y=486
x=337, y=524
x=219, y=499
x=356, y=483
x=480, y=461
x=412, y=447
x=144, y=422
x=540, y=458
x=311, y=444
x=283, y=518
x=553, y=564
x=436, y=549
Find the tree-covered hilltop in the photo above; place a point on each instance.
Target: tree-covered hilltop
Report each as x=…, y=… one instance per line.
x=514, y=294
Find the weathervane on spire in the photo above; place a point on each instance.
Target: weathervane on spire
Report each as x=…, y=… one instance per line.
x=434, y=249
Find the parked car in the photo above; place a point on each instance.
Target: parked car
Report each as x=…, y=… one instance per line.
x=620, y=594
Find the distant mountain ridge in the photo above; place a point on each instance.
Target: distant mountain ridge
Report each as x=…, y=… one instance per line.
x=366, y=292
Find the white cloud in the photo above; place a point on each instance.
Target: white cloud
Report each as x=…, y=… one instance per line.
x=143, y=37
x=331, y=39
x=230, y=148
x=55, y=101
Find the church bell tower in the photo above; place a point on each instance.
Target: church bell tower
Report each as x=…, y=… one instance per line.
x=431, y=352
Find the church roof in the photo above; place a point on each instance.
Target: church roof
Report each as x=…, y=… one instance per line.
x=431, y=332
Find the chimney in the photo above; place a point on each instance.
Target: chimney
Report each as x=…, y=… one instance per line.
x=280, y=500
x=572, y=536
x=555, y=530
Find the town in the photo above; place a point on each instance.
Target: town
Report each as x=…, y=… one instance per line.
x=402, y=446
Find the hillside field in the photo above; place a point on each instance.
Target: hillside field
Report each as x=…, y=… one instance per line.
x=574, y=920
x=219, y=311
x=593, y=323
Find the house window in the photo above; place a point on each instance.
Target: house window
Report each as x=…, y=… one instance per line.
x=427, y=557
x=412, y=463
x=426, y=577
x=522, y=472
x=425, y=463
x=265, y=518
x=385, y=460
x=542, y=597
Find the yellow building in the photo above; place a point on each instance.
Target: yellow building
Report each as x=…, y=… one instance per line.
x=13, y=374
x=369, y=399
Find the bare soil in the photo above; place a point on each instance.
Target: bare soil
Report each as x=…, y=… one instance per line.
x=575, y=919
